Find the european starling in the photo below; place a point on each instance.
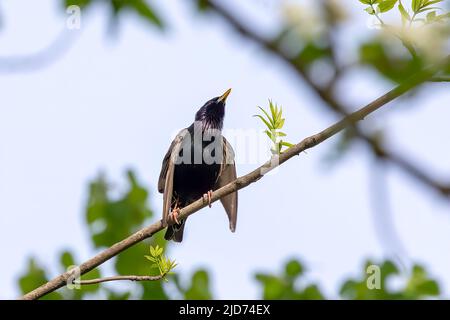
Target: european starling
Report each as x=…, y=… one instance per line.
x=198, y=161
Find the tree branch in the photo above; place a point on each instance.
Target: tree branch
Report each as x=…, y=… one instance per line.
x=119, y=278
x=242, y=181
x=440, y=79
x=40, y=59
x=401, y=162
x=326, y=95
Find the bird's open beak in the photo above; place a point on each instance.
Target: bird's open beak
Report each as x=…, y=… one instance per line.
x=224, y=97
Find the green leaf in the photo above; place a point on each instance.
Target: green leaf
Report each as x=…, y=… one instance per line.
x=152, y=251
x=431, y=16
x=272, y=110
x=120, y=216
x=429, y=3
x=312, y=292
x=313, y=51
x=67, y=259
x=273, y=287
x=378, y=55
x=163, y=266
x=268, y=117
x=202, y=5
x=145, y=11
x=81, y=3
x=279, y=112
x=428, y=9
x=150, y=258
x=34, y=277
x=269, y=134
x=293, y=268
x=370, y=10
x=199, y=288
x=365, y=1
x=264, y=120
x=403, y=12
x=287, y=144
x=442, y=16
x=416, y=5
x=118, y=296
x=290, y=285
x=387, y=5
x=280, y=122
x=428, y=288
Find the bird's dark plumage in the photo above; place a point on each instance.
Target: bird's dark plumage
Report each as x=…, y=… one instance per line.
x=199, y=159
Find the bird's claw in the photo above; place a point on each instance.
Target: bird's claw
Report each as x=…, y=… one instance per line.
x=173, y=216
x=208, y=196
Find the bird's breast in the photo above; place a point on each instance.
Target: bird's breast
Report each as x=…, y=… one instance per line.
x=198, y=171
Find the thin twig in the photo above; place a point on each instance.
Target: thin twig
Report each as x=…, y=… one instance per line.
x=382, y=213
x=440, y=79
x=242, y=181
x=119, y=278
x=40, y=59
x=401, y=162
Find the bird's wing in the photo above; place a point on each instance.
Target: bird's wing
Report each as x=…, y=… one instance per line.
x=226, y=175
x=166, y=161
x=165, y=182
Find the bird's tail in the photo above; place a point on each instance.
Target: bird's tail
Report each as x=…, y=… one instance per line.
x=175, y=232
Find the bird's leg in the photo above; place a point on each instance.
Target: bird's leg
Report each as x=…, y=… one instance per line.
x=208, y=196
x=173, y=216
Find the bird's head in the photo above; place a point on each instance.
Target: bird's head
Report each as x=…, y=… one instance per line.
x=213, y=112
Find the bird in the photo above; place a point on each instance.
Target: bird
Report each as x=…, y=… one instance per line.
x=199, y=160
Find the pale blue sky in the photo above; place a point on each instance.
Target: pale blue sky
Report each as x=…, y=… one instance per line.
x=105, y=106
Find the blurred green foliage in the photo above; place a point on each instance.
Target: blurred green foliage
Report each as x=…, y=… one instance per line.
x=307, y=39
x=415, y=284
x=199, y=287
x=111, y=218
x=142, y=8
x=424, y=29
x=33, y=278
x=286, y=286
x=382, y=58
x=293, y=284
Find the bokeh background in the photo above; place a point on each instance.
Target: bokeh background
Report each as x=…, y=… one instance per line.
x=80, y=108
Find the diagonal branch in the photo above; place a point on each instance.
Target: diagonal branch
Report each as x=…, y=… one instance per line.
x=325, y=94
x=242, y=181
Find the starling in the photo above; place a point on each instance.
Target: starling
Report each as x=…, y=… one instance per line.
x=198, y=161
